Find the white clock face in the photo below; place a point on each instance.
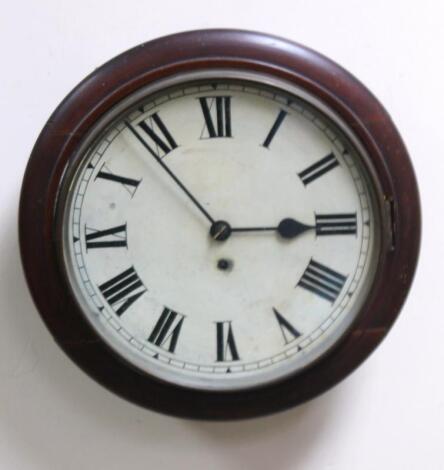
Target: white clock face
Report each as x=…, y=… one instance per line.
x=221, y=234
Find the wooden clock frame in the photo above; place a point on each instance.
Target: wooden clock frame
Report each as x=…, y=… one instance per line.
x=206, y=50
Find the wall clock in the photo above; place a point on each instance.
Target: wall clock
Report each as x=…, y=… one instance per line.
x=219, y=224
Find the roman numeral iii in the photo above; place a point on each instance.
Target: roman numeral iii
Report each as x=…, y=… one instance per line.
x=167, y=329
x=226, y=349
x=123, y=290
x=289, y=332
x=217, y=115
x=160, y=141
x=336, y=224
x=319, y=168
x=111, y=238
x=322, y=281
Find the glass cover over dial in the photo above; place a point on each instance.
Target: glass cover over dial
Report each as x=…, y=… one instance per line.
x=220, y=233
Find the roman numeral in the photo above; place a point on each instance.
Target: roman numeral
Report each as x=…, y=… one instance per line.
x=225, y=342
x=336, y=224
x=218, y=117
x=289, y=332
x=318, y=169
x=275, y=128
x=129, y=184
x=161, y=141
x=167, y=329
x=123, y=290
x=111, y=238
x=322, y=281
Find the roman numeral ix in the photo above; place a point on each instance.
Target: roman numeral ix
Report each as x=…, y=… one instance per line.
x=111, y=238
x=322, y=281
x=289, y=332
x=167, y=329
x=318, y=169
x=225, y=344
x=217, y=115
x=336, y=224
x=123, y=290
x=160, y=141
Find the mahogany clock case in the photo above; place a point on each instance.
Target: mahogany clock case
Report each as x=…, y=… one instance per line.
x=183, y=53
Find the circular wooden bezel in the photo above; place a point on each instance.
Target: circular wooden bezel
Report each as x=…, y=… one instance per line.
x=205, y=50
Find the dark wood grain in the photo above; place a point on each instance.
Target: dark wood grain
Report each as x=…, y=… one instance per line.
x=185, y=52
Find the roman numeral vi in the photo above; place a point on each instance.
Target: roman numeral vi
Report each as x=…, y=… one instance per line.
x=225, y=344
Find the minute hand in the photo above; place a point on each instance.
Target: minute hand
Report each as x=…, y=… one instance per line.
x=175, y=178
x=287, y=228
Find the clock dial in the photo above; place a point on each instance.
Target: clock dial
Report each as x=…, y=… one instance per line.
x=221, y=234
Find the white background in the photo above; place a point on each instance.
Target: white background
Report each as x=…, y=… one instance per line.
x=389, y=414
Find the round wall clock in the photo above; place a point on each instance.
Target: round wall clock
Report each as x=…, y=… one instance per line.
x=219, y=224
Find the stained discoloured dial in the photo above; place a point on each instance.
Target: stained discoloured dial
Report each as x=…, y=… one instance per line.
x=220, y=234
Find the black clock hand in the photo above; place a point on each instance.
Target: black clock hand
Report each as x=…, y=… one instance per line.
x=178, y=182
x=287, y=228
x=290, y=228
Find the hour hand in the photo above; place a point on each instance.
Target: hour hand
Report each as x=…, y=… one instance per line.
x=288, y=228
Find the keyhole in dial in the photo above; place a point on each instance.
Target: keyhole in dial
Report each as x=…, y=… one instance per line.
x=225, y=264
